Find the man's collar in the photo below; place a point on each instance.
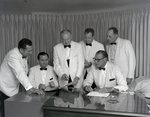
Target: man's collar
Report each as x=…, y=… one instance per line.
x=104, y=66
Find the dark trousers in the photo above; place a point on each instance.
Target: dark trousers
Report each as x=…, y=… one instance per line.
x=2, y=98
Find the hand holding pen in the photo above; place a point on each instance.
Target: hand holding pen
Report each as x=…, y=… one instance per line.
x=51, y=83
x=65, y=77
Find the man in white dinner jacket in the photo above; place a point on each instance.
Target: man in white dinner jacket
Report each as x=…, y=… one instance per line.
x=107, y=76
x=90, y=46
x=121, y=53
x=13, y=71
x=68, y=61
x=42, y=75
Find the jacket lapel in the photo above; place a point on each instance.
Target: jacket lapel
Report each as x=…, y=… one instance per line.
x=117, y=49
x=84, y=50
x=62, y=49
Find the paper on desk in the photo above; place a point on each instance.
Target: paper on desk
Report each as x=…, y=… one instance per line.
x=97, y=94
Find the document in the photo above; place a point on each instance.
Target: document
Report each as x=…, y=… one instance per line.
x=97, y=94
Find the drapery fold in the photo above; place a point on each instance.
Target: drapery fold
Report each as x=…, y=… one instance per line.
x=44, y=31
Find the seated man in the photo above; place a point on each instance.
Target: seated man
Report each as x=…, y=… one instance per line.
x=107, y=76
x=42, y=75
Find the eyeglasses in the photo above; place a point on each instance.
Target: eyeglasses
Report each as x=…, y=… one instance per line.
x=97, y=60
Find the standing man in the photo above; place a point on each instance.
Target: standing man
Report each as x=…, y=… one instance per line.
x=42, y=75
x=13, y=71
x=68, y=61
x=106, y=75
x=90, y=46
x=121, y=53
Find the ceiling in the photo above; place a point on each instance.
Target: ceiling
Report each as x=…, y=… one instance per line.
x=64, y=6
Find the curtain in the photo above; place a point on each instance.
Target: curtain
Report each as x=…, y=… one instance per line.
x=44, y=31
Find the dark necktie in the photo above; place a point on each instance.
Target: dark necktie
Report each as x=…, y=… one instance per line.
x=70, y=87
x=43, y=68
x=101, y=68
x=69, y=46
x=114, y=43
x=88, y=44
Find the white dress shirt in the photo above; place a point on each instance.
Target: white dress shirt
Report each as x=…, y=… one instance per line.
x=43, y=73
x=112, y=52
x=88, y=49
x=67, y=49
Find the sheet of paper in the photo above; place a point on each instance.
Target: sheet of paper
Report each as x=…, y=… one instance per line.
x=97, y=94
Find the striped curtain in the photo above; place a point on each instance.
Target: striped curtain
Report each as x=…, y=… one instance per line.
x=44, y=31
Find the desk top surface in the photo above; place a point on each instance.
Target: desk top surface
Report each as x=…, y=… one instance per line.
x=117, y=103
x=73, y=101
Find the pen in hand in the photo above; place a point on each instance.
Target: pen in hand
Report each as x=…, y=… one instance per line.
x=51, y=83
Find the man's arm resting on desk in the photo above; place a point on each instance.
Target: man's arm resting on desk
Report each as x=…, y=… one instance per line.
x=33, y=90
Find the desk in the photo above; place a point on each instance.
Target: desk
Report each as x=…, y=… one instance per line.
x=124, y=104
x=26, y=105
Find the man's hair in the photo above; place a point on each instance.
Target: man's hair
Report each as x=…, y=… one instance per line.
x=89, y=30
x=65, y=31
x=104, y=53
x=115, y=30
x=42, y=54
x=24, y=42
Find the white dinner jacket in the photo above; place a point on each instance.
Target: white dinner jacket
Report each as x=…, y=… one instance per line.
x=76, y=62
x=112, y=78
x=96, y=46
x=13, y=71
x=124, y=57
x=35, y=76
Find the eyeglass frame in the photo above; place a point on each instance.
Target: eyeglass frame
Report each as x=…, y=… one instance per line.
x=98, y=60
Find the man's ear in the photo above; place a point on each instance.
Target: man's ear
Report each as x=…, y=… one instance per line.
x=21, y=50
x=37, y=61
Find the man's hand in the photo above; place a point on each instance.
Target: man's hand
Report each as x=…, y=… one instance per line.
x=42, y=86
x=87, y=64
x=75, y=80
x=52, y=84
x=106, y=89
x=96, y=89
x=88, y=88
x=129, y=80
x=33, y=90
x=65, y=77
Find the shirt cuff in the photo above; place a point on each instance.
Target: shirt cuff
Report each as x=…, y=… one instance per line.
x=29, y=87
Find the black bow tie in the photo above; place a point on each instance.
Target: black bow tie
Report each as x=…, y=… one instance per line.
x=88, y=44
x=114, y=43
x=23, y=57
x=43, y=68
x=101, y=68
x=69, y=46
